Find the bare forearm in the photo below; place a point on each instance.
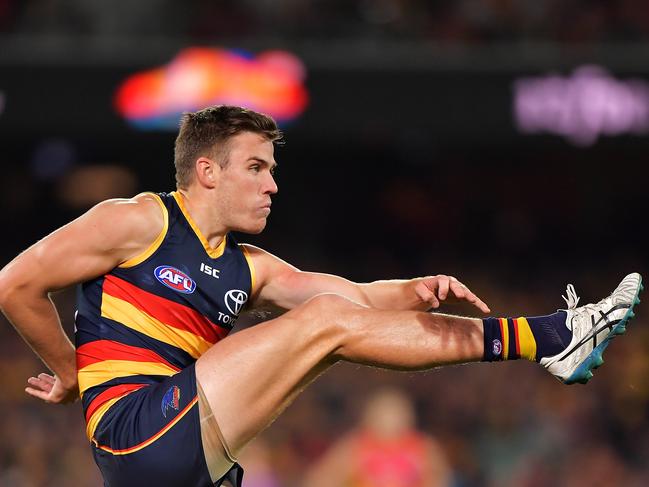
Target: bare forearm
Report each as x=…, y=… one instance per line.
x=288, y=287
x=295, y=288
x=397, y=294
x=36, y=319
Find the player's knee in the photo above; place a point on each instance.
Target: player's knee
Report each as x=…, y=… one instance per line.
x=327, y=310
x=326, y=320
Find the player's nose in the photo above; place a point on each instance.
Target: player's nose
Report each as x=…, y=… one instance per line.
x=270, y=186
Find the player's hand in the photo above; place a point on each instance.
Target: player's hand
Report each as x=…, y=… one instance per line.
x=51, y=389
x=435, y=289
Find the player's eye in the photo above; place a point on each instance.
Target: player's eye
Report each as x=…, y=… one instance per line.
x=255, y=167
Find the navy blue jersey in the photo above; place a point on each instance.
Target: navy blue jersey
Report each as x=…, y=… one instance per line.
x=154, y=315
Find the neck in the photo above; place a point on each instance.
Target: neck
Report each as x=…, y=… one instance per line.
x=204, y=216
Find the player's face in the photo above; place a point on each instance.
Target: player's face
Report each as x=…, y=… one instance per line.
x=246, y=183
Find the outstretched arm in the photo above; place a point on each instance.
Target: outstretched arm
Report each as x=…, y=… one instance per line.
x=89, y=246
x=286, y=286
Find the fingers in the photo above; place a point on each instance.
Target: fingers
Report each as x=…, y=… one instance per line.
x=50, y=389
x=462, y=292
x=46, y=377
x=42, y=383
x=458, y=289
x=41, y=387
x=481, y=305
x=426, y=294
x=448, y=288
x=38, y=393
x=444, y=284
x=477, y=302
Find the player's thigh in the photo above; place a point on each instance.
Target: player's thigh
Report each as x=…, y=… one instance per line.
x=250, y=376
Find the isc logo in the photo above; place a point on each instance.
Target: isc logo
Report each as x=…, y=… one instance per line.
x=210, y=271
x=175, y=279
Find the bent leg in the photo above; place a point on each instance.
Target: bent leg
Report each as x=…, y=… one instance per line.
x=249, y=378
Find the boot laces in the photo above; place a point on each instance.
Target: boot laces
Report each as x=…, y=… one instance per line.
x=582, y=313
x=572, y=300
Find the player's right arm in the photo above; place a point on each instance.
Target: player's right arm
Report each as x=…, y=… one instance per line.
x=282, y=285
x=90, y=246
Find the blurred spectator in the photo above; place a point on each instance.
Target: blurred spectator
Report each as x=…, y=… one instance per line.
x=384, y=451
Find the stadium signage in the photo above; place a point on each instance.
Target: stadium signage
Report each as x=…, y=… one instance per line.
x=581, y=107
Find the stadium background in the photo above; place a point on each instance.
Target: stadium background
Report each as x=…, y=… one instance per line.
x=409, y=158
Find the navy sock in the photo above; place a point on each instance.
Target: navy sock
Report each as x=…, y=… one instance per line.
x=551, y=334
x=532, y=338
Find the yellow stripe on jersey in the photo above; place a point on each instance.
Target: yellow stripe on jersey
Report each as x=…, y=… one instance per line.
x=138, y=259
x=99, y=372
x=526, y=340
x=505, y=331
x=214, y=253
x=125, y=313
x=253, y=277
x=146, y=443
x=99, y=413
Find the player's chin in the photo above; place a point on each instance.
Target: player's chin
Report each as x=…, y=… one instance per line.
x=254, y=227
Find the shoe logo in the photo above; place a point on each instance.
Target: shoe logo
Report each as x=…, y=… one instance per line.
x=175, y=279
x=171, y=400
x=497, y=347
x=234, y=300
x=596, y=329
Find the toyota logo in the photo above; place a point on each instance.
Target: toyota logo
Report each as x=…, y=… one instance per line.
x=235, y=299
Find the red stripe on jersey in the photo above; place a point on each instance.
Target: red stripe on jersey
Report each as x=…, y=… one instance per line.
x=167, y=311
x=110, y=393
x=100, y=350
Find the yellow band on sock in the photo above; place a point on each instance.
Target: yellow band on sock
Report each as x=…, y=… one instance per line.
x=525, y=339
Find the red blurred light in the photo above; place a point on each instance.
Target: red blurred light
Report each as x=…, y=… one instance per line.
x=271, y=83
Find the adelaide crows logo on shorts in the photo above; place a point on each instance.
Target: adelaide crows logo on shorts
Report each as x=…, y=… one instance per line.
x=171, y=400
x=175, y=279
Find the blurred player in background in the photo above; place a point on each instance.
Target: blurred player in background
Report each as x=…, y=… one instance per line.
x=168, y=398
x=385, y=450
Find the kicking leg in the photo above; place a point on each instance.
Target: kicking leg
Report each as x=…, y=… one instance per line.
x=252, y=376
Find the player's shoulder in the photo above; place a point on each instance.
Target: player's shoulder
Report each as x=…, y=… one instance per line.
x=260, y=256
x=252, y=250
x=140, y=206
x=143, y=215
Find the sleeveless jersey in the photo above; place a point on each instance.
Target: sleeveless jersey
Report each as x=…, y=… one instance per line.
x=156, y=313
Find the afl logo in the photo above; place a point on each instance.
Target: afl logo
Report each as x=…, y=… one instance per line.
x=497, y=347
x=175, y=279
x=235, y=299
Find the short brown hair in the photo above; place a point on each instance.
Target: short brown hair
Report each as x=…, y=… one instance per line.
x=206, y=132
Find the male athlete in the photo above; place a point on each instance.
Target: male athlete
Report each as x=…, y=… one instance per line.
x=169, y=398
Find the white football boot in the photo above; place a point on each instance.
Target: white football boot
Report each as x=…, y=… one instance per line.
x=593, y=326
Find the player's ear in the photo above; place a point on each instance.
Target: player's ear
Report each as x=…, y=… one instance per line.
x=206, y=169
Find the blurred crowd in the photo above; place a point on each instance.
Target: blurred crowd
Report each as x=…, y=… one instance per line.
x=480, y=425
x=473, y=21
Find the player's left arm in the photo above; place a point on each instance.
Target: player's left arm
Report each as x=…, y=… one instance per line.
x=283, y=285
